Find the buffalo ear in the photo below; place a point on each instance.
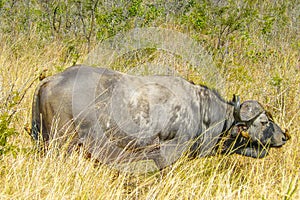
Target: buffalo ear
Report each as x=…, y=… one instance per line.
x=234, y=132
x=239, y=130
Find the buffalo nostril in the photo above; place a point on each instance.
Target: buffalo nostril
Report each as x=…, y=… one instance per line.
x=284, y=139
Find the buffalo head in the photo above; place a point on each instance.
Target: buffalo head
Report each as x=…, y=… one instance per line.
x=254, y=130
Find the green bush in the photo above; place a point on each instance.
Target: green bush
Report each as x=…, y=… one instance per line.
x=5, y=132
x=8, y=109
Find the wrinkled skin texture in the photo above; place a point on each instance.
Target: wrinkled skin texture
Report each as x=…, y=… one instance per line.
x=121, y=118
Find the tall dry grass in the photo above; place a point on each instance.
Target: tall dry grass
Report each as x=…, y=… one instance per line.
x=272, y=79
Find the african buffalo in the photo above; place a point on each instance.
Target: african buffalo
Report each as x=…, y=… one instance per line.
x=117, y=117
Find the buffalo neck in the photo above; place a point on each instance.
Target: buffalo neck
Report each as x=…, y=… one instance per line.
x=216, y=117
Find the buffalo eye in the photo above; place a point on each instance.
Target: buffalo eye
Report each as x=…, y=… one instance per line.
x=263, y=120
x=264, y=123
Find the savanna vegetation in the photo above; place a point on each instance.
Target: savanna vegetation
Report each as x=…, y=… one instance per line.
x=255, y=46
